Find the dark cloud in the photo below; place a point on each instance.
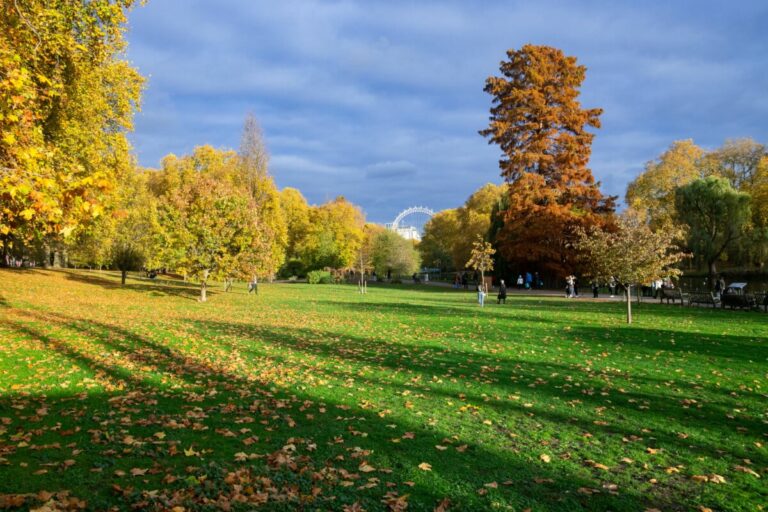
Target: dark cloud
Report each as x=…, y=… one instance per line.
x=381, y=101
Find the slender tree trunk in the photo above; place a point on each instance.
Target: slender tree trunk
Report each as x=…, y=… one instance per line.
x=712, y=272
x=123, y=273
x=629, y=303
x=203, y=287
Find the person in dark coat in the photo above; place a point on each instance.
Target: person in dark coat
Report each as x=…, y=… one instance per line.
x=595, y=288
x=502, y=297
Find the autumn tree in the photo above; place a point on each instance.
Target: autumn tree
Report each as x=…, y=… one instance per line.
x=448, y=236
x=67, y=99
x=738, y=161
x=267, y=252
x=441, y=234
x=333, y=237
x=296, y=212
x=391, y=253
x=206, y=226
x=652, y=193
x=136, y=226
x=474, y=219
x=630, y=252
x=211, y=225
x=717, y=216
x=539, y=124
x=481, y=258
x=124, y=236
x=758, y=191
x=742, y=162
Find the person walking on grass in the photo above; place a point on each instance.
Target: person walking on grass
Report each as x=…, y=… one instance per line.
x=502, y=297
x=481, y=294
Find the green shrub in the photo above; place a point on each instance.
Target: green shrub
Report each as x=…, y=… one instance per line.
x=319, y=277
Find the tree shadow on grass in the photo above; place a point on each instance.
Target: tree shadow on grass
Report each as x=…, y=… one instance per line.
x=672, y=410
x=173, y=289
x=143, y=407
x=432, y=310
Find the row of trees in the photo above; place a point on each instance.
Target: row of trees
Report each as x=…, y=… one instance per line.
x=720, y=195
x=70, y=187
x=551, y=200
x=217, y=214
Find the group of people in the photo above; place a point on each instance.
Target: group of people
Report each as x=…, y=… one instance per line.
x=572, y=287
x=530, y=281
x=482, y=291
x=461, y=279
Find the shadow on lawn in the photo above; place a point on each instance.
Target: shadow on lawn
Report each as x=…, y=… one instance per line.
x=432, y=310
x=552, y=380
x=163, y=288
x=234, y=398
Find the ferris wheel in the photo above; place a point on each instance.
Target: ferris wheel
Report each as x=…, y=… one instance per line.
x=410, y=222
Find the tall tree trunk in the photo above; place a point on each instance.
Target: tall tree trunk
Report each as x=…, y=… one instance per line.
x=123, y=273
x=629, y=303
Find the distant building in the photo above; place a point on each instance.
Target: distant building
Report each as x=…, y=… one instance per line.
x=409, y=233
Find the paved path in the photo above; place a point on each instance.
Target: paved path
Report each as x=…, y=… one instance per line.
x=554, y=293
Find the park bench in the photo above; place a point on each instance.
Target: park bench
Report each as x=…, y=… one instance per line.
x=734, y=301
x=704, y=298
x=736, y=296
x=672, y=294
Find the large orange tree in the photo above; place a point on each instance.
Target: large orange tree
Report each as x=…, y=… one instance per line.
x=539, y=124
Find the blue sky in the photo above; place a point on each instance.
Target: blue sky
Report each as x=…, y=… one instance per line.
x=381, y=101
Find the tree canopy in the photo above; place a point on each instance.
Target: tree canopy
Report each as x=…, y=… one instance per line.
x=67, y=98
x=541, y=128
x=630, y=252
x=716, y=214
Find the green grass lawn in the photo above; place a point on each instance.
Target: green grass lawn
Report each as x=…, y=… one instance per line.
x=315, y=398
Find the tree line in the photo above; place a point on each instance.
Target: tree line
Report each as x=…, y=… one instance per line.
x=712, y=205
x=70, y=185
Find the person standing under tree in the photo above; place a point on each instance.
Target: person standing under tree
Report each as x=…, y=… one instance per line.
x=502, y=297
x=595, y=288
x=719, y=286
x=481, y=294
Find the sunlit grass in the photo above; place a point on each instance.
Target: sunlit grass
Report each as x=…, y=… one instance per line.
x=405, y=395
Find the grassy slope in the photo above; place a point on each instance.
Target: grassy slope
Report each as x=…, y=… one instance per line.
x=543, y=403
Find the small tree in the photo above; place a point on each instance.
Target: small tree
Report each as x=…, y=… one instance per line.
x=632, y=253
x=482, y=257
x=126, y=258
